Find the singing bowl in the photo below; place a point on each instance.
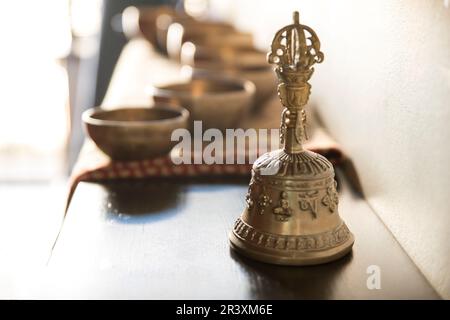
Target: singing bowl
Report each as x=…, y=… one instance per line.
x=171, y=28
x=218, y=101
x=247, y=63
x=147, y=19
x=263, y=78
x=208, y=34
x=225, y=55
x=217, y=36
x=135, y=133
x=162, y=25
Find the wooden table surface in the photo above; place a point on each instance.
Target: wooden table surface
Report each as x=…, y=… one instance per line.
x=156, y=239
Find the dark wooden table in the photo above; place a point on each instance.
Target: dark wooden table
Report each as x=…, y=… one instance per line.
x=154, y=239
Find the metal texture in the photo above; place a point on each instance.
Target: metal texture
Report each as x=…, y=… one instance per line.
x=292, y=215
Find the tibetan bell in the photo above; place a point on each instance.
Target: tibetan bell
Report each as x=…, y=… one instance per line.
x=291, y=217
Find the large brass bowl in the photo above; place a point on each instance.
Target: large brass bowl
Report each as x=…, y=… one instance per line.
x=135, y=133
x=218, y=101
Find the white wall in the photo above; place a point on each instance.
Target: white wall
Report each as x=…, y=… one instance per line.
x=384, y=93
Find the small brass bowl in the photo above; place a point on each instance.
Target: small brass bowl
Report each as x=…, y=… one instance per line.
x=229, y=37
x=135, y=133
x=263, y=78
x=218, y=101
x=162, y=25
x=209, y=34
x=248, y=63
x=147, y=18
x=171, y=28
x=225, y=55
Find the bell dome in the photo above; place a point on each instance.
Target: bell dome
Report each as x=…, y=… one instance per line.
x=306, y=165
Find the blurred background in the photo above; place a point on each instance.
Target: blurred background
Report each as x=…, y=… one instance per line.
x=383, y=92
x=56, y=60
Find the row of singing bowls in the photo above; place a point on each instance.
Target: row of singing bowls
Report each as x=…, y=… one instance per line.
x=248, y=63
x=135, y=133
x=219, y=97
x=165, y=27
x=218, y=101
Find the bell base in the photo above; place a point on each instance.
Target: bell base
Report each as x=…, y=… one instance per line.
x=291, y=258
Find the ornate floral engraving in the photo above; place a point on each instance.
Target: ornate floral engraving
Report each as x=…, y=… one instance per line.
x=263, y=201
x=283, y=212
x=248, y=196
x=331, y=199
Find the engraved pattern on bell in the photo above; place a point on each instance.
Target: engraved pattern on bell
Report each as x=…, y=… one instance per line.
x=292, y=214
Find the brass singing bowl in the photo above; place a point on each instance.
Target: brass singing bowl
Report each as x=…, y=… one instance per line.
x=162, y=24
x=226, y=55
x=135, y=133
x=248, y=63
x=263, y=78
x=171, y=28
x=151, y=22
x=211, y=36
x=208, y=34
x=147, y=19
x=218, y=101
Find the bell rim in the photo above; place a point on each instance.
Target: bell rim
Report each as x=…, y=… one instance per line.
x=301, y=258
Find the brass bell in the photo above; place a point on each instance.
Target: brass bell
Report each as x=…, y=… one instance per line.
x=292, y=215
